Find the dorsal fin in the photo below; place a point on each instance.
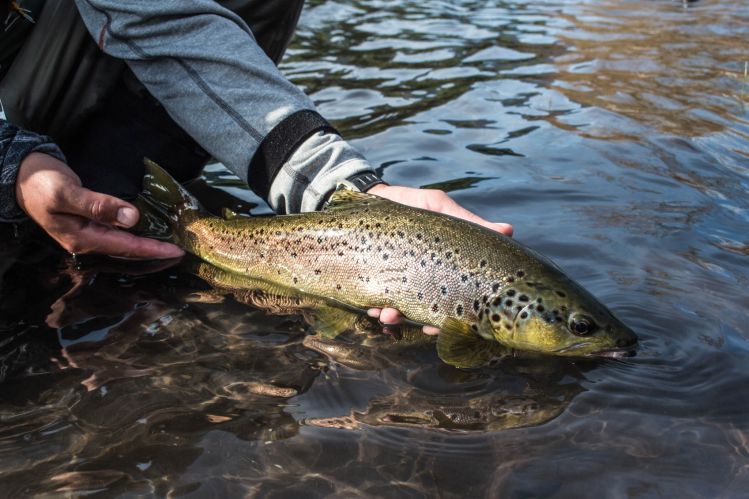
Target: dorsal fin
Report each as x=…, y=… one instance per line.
x=346, y=197
x=228, y=213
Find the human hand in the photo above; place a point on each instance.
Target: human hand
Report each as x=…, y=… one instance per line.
x=432, y=200
x=82, y=221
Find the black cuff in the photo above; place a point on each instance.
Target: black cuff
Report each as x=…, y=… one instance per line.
x=364, y=181
x=280, y=144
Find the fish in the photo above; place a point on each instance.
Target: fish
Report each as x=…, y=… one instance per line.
x=363, y=251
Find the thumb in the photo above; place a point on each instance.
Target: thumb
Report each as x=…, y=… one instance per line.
x=99, y=207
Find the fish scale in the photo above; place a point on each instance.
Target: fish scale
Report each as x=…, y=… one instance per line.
x=365, y=251
x=365, y=257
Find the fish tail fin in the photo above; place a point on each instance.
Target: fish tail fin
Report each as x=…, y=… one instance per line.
x=165, y=205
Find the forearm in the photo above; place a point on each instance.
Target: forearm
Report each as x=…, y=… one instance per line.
x=15, y=145
x=202, y=63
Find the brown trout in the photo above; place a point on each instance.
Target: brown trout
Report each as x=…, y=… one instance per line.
x=364, y=251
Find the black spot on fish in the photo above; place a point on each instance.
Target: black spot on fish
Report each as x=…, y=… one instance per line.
x=540, y=308
x=444, y=290
x=495, y=288
x=423, y=263
x=419, y=236
x=523, y=298
x=476, y=305
x=434, y=307
x=484, y=299
x=464, y=278
x=510, y=280
x=520, y=273
x=510, y=292
x=378, y=225
x=495, y=318
x=508, y=303
x=481, y=314
x=387, y=291
x=482, y=263
x=436, y=239
x=459, y=310
x=420, y=295
x=340, y=253
x=496, y=301
x=385, y=256
x=474, y=327
x=560, y=294
x=540, y=300
x=278, y=232
x=449, y=254
x=508, y=327
x=412, y=253
x=318, y=271
x=338, y=286
x=295, y=280
x=293, y=254
x=401, y=234
x=404, y=279
x=524, y=315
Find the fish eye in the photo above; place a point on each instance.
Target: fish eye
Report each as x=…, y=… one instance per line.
x=581, y=325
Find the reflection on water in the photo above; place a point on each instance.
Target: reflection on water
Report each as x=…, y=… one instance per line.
x=613, y=135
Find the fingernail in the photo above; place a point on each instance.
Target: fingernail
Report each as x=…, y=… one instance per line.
x=172, y=251
x=127, y=216
x=505, y=228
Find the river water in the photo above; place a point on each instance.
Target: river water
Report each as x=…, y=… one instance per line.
x=614, y=135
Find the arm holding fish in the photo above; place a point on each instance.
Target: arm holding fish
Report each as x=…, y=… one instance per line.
x=202, y=63
x=35, y=181
x=237, y=105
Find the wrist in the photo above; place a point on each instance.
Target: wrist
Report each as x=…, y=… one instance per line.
x=377, y=189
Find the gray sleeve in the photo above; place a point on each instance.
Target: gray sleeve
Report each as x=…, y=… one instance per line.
x=202, y=63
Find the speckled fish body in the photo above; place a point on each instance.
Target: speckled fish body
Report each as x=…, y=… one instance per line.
x=365, y=251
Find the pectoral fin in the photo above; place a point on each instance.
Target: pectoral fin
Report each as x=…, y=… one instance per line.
x=329, y=321
x=458, y=346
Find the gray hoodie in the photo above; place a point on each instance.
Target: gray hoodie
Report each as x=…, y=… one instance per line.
x=202, y=63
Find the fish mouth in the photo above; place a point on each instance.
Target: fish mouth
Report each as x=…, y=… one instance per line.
x=614, y=353
x=611, y=353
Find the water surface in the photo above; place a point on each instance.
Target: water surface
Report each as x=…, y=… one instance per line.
x=612, y=134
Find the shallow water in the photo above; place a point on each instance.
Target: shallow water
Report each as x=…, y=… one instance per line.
x=613, y=135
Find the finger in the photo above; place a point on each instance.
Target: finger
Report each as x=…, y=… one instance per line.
x=99, y=207
x=431, y=330
x=390, y=316
x=386, y=315
x=96, y=238
x=456, y=210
